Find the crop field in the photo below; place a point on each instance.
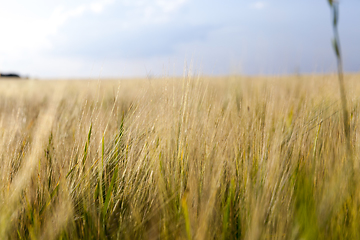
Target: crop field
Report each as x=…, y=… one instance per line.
x=179, y=158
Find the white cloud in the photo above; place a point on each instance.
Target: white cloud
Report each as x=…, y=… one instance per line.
x=98, y=7
x=258, y=5
x=60, y=15
x=28, y=33
x=24, y=34
x=170, y=6
x=152, y=11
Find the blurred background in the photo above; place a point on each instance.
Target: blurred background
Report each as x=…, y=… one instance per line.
x=152, y=38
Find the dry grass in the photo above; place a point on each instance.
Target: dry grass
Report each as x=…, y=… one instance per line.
x=191, y=158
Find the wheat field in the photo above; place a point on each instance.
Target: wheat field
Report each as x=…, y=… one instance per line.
x=179, y=158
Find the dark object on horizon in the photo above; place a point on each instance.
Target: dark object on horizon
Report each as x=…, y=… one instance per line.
x=9, y=75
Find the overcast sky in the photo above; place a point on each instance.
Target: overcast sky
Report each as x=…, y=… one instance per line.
x=129, y=38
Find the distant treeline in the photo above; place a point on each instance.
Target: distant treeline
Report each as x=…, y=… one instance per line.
x=10, y=75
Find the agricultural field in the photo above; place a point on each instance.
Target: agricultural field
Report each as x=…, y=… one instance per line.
x=179, y=158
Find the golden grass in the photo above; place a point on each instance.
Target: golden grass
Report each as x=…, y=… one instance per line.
x=189, y=158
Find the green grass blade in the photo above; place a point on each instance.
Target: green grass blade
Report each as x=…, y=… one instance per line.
x=109, y=192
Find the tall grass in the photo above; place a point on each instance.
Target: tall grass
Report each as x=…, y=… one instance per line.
x=191, y=158
x=334, y=5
